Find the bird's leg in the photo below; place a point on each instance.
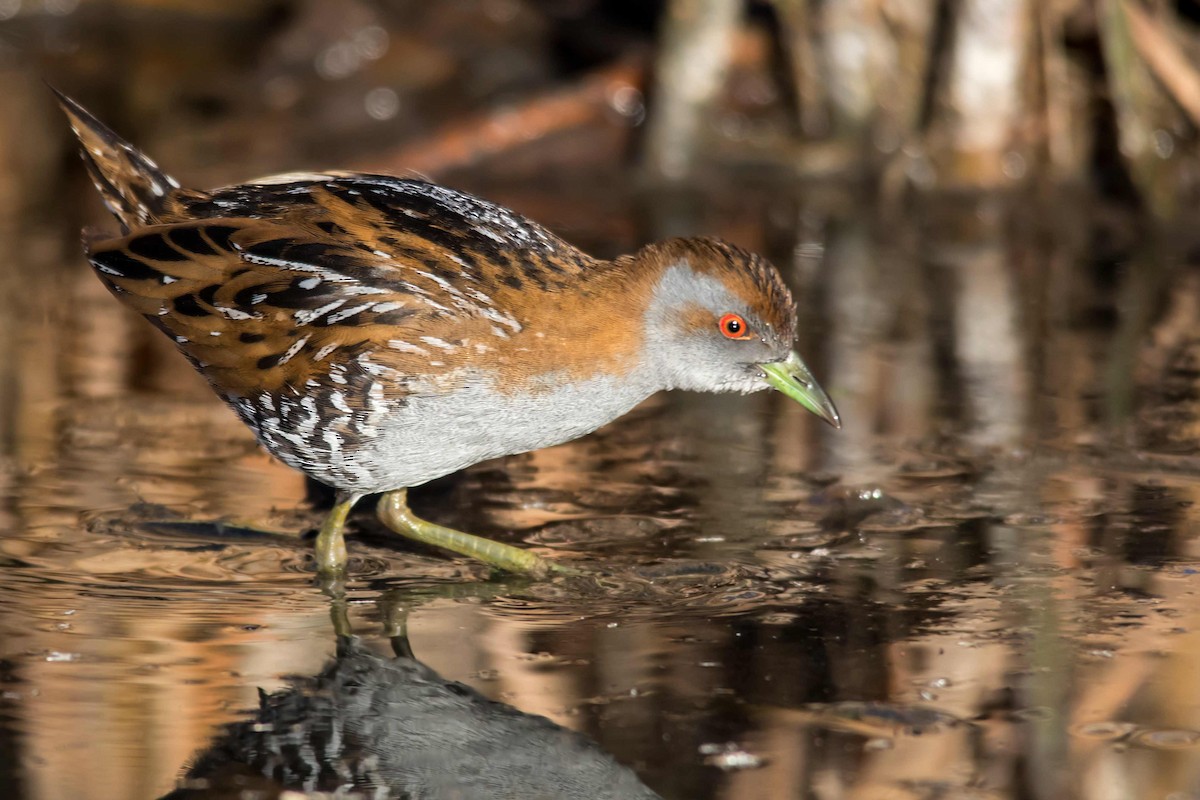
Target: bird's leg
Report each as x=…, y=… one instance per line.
x=331, y=544
x=339, y=611
x=393, y=512
x=394, y=613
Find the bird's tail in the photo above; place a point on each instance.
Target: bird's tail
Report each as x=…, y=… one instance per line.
x=135, y=190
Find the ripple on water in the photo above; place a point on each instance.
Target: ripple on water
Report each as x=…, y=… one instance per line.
x=140, y=554
x=1167, y=738
x=875, y=719
x=669, y=587
x=600, y=532
x=1103, y=730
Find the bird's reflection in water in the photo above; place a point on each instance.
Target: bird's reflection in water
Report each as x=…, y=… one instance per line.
x=375, y=727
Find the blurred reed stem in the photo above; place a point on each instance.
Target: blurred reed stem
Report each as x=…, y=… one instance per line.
x=962, y=94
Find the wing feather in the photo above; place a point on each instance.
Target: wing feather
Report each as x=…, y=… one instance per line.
x=257, y=305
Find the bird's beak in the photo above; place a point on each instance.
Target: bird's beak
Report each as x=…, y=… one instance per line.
x=793, y=379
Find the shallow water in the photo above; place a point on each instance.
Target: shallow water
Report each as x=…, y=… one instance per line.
x=984, y=586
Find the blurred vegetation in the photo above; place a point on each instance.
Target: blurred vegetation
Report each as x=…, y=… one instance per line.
x=924, y=95
x=951, y=94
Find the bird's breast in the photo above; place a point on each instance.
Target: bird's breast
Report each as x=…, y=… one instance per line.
x=438, y=435
x=431, y=435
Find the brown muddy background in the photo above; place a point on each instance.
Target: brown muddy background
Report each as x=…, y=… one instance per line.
x=985, y=586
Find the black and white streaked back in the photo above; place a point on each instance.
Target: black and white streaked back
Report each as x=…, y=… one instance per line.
x=440, y=214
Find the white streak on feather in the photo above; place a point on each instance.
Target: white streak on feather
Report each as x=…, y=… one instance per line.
x=406, y=347
x=338, y=400
x=440, y=281
x=307, y=315
x=295, y=266
x=479, y=296
x=488, y=233
x=375, y=398
x=296, y=347
x=345, y=313
x=234, y=313
x=503, y=319
x=378, y=370
x=291, y=177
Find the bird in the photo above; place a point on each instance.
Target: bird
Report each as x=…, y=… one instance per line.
x=378, y=332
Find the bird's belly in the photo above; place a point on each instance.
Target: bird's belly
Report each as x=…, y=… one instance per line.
x=432, y=436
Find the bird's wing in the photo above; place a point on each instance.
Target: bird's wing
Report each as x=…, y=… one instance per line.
x=262, y=306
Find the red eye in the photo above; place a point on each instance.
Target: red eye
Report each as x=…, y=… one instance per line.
x=734, y=327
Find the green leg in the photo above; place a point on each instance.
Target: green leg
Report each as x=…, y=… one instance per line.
x=331, y=544
x=394, y=613
x=339, y=612
x=393, y=512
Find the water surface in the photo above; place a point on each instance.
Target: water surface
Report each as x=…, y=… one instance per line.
x=983, y=587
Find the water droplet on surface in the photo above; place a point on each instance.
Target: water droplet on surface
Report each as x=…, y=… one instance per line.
x=339, y=60
x=1014, y=166
x=629, y=103
x=1034, y=713
x=729, y=756
x=1104, y=730
x=1168, y=738
x=382, y=103
x=1164, y=144
x=370, y=42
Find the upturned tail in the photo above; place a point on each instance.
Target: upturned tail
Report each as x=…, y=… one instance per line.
x=135, y=190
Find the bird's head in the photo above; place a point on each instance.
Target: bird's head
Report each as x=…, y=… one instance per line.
x=720, y=319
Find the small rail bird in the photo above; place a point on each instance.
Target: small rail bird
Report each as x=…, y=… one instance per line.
x=378, y=332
